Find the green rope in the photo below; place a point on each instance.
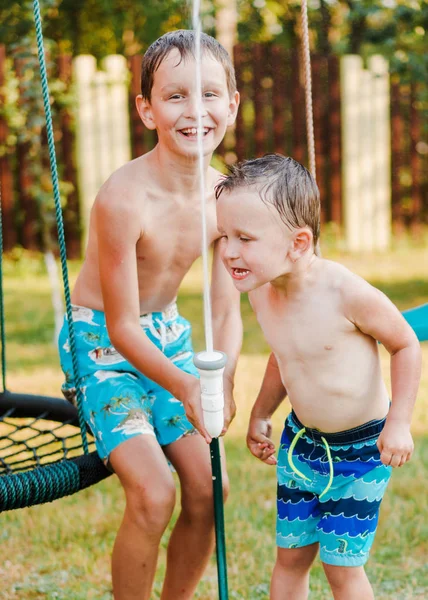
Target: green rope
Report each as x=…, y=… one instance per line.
x=2, y=323
x=290, y=453
x=219, y=520
x=40, y=485
x=59, y=220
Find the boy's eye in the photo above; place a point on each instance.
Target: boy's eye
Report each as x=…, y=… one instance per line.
x=175, y=97
x=210, y=95
x=244, y=239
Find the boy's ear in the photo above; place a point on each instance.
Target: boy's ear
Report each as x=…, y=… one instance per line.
x=302, y=241
x=145, y=111
x=233, y=108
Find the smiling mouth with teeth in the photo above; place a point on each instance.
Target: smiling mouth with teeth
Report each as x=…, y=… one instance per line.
x=192, y=132
x=240, y=273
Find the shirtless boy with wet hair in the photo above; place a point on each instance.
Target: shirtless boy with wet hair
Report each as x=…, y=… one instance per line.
x=141, y=392
x=322, y=323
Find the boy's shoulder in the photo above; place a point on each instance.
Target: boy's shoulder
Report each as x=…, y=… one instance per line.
x=336, y=275
x=352, y=289
x=126, y=184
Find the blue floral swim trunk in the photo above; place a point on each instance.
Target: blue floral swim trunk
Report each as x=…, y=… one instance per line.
x=330, y=486
x=119, y=402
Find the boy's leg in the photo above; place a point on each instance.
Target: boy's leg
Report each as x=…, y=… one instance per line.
x=297, y=518
x=348, y=583
x=192, y=540
x=150, y=497
x=350, y=512
x=290, y=577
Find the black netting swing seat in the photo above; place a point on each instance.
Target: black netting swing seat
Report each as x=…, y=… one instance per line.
x=41, y=451
x=45, y=450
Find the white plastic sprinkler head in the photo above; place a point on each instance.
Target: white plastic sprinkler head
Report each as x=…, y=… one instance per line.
x=210, y=366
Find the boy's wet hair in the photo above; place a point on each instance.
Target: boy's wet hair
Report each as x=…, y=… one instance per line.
x=184, y=41
x=282, y=182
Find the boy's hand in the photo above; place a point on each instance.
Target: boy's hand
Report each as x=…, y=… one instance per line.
x=193, y=407
x=395, y=444
x=258, y=440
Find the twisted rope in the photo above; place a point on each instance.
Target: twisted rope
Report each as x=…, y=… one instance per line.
x=40, y=485
x=308, y=89
x=58, y=214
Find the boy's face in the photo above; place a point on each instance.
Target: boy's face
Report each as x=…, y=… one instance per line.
x=173, y=107
x=255, y=242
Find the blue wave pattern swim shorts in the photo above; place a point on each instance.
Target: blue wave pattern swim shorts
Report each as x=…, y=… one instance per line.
x=330, y=486
x=119, y=402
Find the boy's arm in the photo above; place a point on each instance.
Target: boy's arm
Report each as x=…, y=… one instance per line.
x=374, y=314
x=270, y=396
x=118, y=232
x=227, y=327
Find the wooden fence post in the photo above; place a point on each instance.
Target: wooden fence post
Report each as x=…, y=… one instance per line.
x=117, y=119
x=102, y=124
x=381, y=159
x=84, y=68
x=366, y=153
x=350, y=68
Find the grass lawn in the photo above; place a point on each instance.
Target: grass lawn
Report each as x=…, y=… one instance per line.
x=62, y=550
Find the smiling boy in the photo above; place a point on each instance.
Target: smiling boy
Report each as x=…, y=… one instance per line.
x=322, y=323
x=141, y=393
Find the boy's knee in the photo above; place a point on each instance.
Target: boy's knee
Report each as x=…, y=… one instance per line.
x=226, y=487
x=198, y=502
x=151, y=507
x=296, y=559
x=341, y=578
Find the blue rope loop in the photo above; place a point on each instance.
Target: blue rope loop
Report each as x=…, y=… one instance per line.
x=59, y=219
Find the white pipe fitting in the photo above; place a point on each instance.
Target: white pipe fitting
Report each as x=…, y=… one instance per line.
x=210, y=366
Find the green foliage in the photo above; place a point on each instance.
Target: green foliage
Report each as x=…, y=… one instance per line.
x=395, y=29
x=24, y=112
x=102, y=27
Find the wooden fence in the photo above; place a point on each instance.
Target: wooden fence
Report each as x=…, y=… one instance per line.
x=271, y=119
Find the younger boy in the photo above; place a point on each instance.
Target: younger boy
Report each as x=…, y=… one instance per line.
x=141, y=392
x=322, y=323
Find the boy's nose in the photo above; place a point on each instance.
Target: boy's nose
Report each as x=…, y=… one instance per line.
x=230, y=251
x=192, y=107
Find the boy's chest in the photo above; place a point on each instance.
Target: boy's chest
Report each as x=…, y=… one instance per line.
x=173, y=238
x=305, y=330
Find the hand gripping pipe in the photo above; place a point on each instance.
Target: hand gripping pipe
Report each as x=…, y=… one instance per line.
x=211, y=366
